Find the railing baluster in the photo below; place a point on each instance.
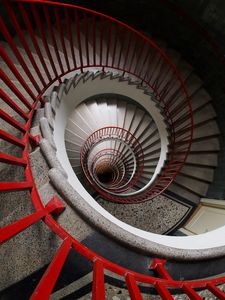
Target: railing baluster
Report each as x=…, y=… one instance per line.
x=163, y=291
x=62, y=40
x=191, y=292
x=133, y=288
x=11, y=139
x=101, y=40
x=44, y=40
x=16, y=73
x=128, y=50
x=115, y=46
x=86, y=38
x=109, y=29
x=94, y=37
x=77, y=30
x=10, y=120
x=13, y=105
x=216, y=291
x=48, y=281
x=15, y=186
x=21, y=60
x=70, y=37
x=52, y=35
x=159, y=266
x=33, y=38
x=139, y=56
x=23, y=41
x=14, y=228
x=10, y=159
x=148, y=52
x=124, y=37
x=14, y=89
x=98, y=287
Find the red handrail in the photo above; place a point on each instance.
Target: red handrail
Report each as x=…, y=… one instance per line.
x=51, y=70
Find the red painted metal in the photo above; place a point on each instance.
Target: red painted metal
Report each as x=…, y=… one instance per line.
x=16, y=73
x=98, y=289
x=216, y=291
x=163, y=291
x=100, y=135
x=15, y=90
x=132, y=287
x=13, y=105
x=6, y=158
x=44, y=39
x=62, y=40
x=33, y=38
x=6, y=117
x=69, y=36
x=48, y=281
x=159, y=266
x=191, y=292
x=53, y=39
x=86, y=37
x=23, y=41
x=14, y=228
x=14, y=186
x=11, y=139
x=94, y=37
x=22, y=62
x=164, y=97
x=77, y=31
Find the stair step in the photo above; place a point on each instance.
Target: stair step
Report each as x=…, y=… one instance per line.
x=82, y=132
x=204, y=114
x=203, y=159
x=200, y=98
x=121, y=111
x=204, y=174
x=184, y=193
x=194, y=185
x=206, y=129
x=207, y=144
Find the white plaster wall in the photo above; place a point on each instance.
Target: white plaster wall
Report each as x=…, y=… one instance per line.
x=211, y=239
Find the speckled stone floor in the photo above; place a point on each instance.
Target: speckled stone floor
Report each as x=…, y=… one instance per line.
x=157, y=215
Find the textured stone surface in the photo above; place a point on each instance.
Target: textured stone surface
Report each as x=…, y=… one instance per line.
x=38, y=114
x=26, y=252
x=13, y=206
x=157, y=215
x=50, y=156
x=114, y=231
x=47, y=131
x=69, y=219
x=39, y=167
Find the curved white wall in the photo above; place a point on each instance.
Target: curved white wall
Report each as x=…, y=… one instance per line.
x=208, y=240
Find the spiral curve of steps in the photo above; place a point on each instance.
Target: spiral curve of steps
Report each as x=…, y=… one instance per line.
x=82, y=103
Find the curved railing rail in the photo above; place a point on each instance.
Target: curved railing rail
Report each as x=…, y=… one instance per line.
x=127, y=51
x=110, y=133
x=24, y=99
x=121, y=166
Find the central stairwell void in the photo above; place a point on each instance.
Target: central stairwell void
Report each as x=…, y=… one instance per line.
x=108, y=142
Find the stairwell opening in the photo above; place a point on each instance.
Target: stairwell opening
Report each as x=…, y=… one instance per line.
x=116, y=52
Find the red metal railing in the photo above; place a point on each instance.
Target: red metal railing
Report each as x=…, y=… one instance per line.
x=133, y=54
x=111, y=133
x=120, y=163
x=24, y=98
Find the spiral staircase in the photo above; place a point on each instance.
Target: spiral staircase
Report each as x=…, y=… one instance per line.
x=99, y=122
